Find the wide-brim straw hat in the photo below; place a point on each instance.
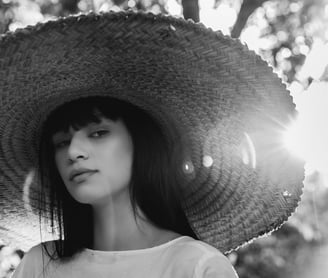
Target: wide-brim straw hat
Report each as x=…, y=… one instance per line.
x=223, y=101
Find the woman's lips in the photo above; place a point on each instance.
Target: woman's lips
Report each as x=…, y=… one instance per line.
x=82, y=176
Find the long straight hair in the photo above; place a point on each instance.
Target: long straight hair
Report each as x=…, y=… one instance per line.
x=154, y=184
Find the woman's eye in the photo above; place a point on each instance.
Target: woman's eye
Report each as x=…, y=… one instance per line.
x=99, y=133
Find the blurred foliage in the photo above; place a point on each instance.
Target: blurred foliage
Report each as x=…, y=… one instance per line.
x=277, y=256
x=287, y=31
x=291, y=251
x=311, y=217
x=9, y=260
x=288, y=27
x=6, y=15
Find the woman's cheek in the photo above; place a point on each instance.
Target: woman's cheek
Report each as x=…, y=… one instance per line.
x=59, y=161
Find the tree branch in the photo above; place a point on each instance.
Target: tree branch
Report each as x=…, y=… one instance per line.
x=190, y=9
x=247, y=8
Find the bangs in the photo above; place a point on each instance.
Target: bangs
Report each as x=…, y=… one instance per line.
x=79, y=113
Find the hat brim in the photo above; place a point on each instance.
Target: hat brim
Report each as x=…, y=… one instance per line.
x=227, y=106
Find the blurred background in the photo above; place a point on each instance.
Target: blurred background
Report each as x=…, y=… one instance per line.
x=292, y=36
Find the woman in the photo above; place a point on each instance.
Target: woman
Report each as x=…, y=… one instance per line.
x=156, y=143
x=93, y=148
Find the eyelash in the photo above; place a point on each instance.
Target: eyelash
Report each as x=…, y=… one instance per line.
x=65, y=142
x=101, y=131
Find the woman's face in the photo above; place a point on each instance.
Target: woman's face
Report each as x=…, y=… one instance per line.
x=95, y=161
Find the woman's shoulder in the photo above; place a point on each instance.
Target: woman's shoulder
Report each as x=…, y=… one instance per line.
x=207, y=260
x=196, y=247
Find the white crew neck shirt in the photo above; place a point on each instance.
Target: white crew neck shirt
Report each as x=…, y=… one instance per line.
x=183, y=257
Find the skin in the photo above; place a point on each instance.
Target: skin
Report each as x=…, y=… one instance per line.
x=107, y=149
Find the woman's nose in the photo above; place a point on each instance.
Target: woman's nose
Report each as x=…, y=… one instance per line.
x=77, y=148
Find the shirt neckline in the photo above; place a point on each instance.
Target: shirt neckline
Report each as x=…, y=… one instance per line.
x=135, y=251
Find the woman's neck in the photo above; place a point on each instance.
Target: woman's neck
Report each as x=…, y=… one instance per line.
x=115, y=227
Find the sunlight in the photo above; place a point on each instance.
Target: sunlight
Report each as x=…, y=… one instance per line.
x=307, y=137
x=221, y=18
x=173, y=7
x=293, y=142
x=316, y=61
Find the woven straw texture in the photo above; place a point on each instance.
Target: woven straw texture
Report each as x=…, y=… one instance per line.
x=221, y=99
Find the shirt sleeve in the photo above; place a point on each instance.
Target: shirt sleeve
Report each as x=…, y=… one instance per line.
x=214, y=265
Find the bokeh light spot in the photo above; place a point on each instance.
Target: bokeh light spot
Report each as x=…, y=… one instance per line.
x=207, y=161
x=188, y=167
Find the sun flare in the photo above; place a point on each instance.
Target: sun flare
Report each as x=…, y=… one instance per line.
x=307, y=136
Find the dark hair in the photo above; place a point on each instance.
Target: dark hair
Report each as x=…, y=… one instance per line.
x=154, y=184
